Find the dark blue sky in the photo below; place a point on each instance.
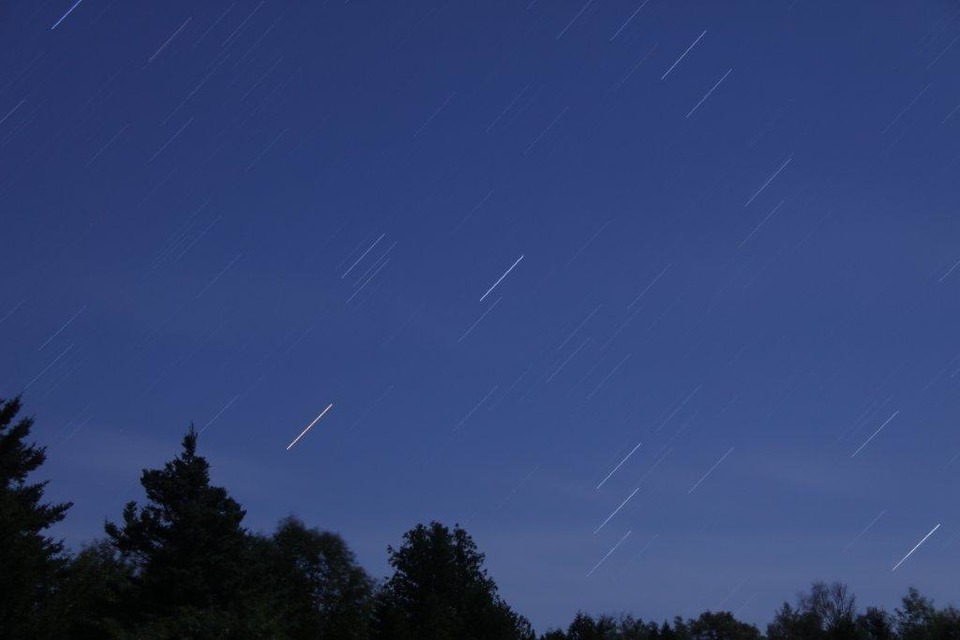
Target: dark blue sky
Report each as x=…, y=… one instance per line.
x=732, y=235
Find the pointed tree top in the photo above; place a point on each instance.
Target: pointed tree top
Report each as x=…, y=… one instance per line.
x=190, y=442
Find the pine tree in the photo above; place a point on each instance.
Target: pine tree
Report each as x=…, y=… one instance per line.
x=29, y=561
x=189, y=552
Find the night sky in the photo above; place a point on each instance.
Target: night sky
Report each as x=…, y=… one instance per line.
x=659, y=300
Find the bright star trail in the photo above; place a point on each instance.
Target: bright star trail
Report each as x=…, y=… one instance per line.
x=743, y=230
x=304, y=432
x=64, y=16
x=500, y=279
x=915, y=548
x=615, y=511
x=607, y=555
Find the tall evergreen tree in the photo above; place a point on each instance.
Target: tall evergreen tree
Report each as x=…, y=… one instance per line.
x=189, y=555
x=29, y=560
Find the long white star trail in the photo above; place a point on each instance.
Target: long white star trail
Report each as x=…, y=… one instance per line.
x=315, y=420
x=683, y=55
x=915, y=548
x=886, y=422
x=646, y=546
x=64, y=16
x=597, y=566
x=545, y=131
x=363, y=255
x=769, y=180
x=905, y=109
x=65, y=324
x=220, y=413
x=434, y=115
x=474, y=410
x=628, y=20
x=636, y=66
x=509, y=106
x=500, y=279
x=762, y=222
x=12, y=111
x=949, y=271
x=865, y=529
x=219, y=275
x=579, y=326
x=607, y=377
x=47, y=368
x=678, y=408
x=236, y=31
x=476, y=207
x=579, y=13
x=647, y=288
x=10, y=313
x=169, y=40
x=627, y=457
x=482, y=316
x=107, y=145
x=717, y=464
x=168, y=142
x=568, y=359
x=617, y=510
x=707, y=95
x=367, y=281
x=517, y=488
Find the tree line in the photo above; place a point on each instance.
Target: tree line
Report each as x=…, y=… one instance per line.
x=182, y=566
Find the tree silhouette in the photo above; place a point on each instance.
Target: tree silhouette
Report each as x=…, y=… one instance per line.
x=585, y=627
x=325, y=593
x=827, y=612
x=919, y=619
x=439, y=590
x=188, y=553
x=721, y=626
x=29, y=561
x=875, y=624
x=91, y=593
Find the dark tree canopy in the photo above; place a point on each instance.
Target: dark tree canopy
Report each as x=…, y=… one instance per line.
x=91, y=596
x=827, y=612
x=29, y=560
x=182, y=566
x=325, y=592
x=919, y=618
x=721, y=626
x=187, y=549
x=875, y=624
x=440, y=590
x=586, y=627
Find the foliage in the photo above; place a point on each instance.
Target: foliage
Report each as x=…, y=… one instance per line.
x=187, y=550
x=183, y=566
x=439, y=589
x=326, y=594
x=721, y=626
x=875, y=624
x=30, y=562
